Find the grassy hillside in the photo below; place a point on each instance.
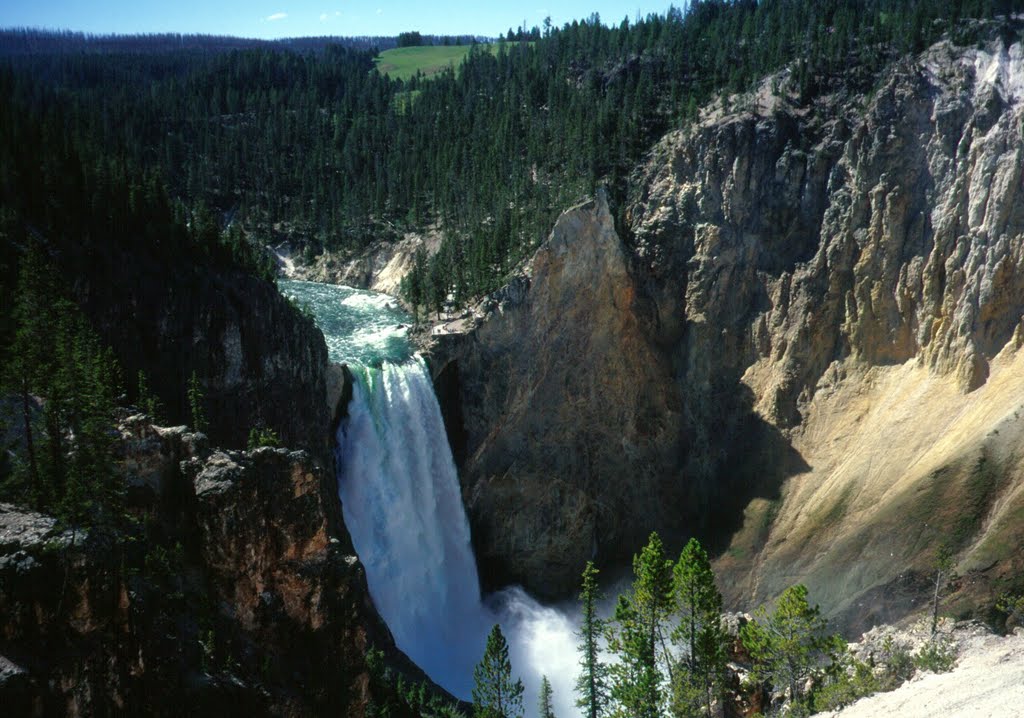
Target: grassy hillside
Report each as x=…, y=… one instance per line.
x=401, y=63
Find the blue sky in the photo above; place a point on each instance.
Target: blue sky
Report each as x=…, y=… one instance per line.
x=294, y=18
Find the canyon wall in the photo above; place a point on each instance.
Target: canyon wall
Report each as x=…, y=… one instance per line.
x=234, y=588
x=570, y=412
x=380, y=267
x=259, y=360
x=242, y=595
x=812, y=327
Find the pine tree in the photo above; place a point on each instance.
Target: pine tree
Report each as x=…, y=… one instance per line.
x=787, y=645
x=26, y=369
x=638, y=633
x=495, y=694
x=699, y=607
x=147, y=400
x=195, y=403
x=57, y=357
x=94, y=491
x=592, y=684
x=544, y=709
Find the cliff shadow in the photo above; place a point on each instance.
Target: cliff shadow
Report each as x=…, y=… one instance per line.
x=757, y=461
x=449, y=398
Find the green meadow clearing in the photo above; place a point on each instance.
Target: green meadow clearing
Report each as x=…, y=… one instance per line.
x=401, y=63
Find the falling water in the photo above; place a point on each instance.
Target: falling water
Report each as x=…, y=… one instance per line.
x=400, y=496
x=403, y=507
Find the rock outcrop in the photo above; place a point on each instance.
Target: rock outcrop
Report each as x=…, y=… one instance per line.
x=808, y=337
x=988, y=679
x=380, y=267
x=570, y=412
x=880, y=229
x=242, y=595
x=259, y=360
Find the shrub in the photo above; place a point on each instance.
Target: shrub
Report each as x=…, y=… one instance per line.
x=899, y=665
x=856, y=682
x=1012, y=607
x=262, y=436
x=936, y=656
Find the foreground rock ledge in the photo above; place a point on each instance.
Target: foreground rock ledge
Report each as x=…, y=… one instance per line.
x=241, y=594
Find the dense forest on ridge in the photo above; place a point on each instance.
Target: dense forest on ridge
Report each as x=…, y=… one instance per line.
x=309, y=143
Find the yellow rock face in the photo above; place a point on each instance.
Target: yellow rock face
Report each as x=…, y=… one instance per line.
x=803, y=350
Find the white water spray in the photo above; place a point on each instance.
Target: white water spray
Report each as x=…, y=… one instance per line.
x=402, y=504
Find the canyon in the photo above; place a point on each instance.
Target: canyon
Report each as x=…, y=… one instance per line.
x=802, y=344
x=798, y=338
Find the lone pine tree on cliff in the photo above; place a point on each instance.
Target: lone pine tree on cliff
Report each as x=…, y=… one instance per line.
x=592, y=684
x=699, y=630
x=495, y=693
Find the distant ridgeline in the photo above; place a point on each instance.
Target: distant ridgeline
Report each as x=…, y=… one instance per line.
x=27, y=41
x=317, y=148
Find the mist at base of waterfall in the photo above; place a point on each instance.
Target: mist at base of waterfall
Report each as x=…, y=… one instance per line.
x=402, y=503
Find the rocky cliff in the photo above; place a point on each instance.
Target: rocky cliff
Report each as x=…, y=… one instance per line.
x=569, y=410
x=805, y=349
x=259, y=360
x=857, y=264
x=240, y=594
x=381, y=266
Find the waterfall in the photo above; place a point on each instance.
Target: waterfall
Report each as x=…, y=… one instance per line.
x=400, y=496
x=403, y=506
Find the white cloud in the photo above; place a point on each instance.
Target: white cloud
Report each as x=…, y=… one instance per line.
x=379, y=11
x=277, y=16
x=323, y=17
